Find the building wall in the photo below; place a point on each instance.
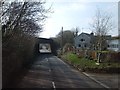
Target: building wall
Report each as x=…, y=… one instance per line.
x=113, y=45
x=82, y=41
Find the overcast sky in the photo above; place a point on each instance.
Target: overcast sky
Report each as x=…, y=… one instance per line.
x=77, y=13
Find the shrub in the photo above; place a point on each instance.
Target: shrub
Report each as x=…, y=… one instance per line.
x=67, y=47
x=90, y=65
x=16, y=51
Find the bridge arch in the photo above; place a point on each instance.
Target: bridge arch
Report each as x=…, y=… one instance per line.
x=50, y=42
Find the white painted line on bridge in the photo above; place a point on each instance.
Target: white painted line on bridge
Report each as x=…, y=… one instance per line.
x=53, y=85
x=96, y=80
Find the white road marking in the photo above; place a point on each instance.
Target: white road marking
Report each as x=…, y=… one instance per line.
x=53, y=85
x=49, y=70
x=62, y=61
x=46, y=59
x=96, y=80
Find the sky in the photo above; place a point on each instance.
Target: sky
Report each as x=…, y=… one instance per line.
x=70, y=14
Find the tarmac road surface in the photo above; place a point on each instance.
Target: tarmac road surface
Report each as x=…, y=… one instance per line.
x=48, y=71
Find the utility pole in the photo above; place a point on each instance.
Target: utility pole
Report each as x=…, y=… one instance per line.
x=62, y=41
x=76, y=32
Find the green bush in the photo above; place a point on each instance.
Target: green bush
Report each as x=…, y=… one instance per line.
x=90, y=65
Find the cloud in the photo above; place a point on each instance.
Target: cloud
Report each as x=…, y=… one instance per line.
x=83, y=0
x=72, y=14
x=78, y=6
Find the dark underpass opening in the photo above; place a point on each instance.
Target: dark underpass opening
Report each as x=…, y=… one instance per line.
x=45, y=46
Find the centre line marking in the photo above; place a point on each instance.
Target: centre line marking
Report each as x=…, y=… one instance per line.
x=47, y=59
x=53, y=85
x=49, y=70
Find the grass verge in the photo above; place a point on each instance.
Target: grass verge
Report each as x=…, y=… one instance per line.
x=90, y=65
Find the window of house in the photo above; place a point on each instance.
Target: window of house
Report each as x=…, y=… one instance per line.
x=114, y=46
x=82, y=40
x=85, y=45
x=79, y=45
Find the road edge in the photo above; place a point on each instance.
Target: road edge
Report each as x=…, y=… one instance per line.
x=95, y=80
x=102, y=84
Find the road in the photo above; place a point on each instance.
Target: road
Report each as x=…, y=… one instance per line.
x=48, y=71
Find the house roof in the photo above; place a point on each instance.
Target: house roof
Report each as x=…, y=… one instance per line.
x=85, y=33
x=90, y=35
x=108, y=37
x=115, y=37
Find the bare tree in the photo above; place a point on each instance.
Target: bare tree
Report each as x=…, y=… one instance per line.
x=19, y=15
x=66, y=37
x=102, y=24
x=20, y=22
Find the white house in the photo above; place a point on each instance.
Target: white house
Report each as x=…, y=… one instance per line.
x=84, y=41
x=113, y=44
